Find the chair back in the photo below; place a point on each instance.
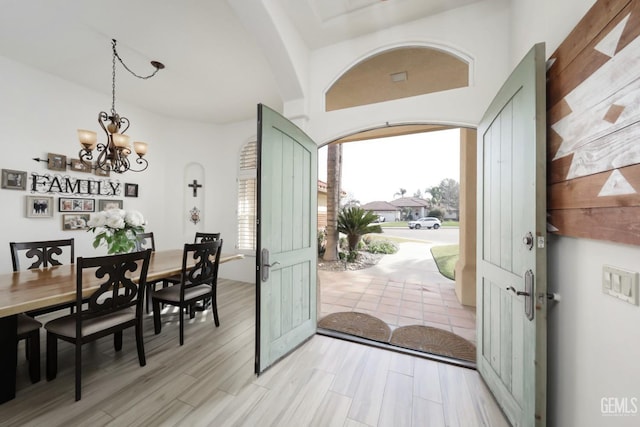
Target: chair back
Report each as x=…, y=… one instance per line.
x=145, y=241
x=206, y=237
x=117, y=290
x=205, y=269
x=43, y=252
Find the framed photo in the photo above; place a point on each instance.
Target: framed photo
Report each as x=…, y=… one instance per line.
x=106, y=204
x=14, y=180
x=39, y=207
x=78, y=165
x=131, y=190
x=57, y=162
x=73, y=222
x=67, y=204
x=101, y=172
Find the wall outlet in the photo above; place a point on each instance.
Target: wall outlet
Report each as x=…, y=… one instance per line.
x=620, y=283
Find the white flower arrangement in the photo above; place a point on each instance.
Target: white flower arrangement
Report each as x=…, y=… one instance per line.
x=117, y=229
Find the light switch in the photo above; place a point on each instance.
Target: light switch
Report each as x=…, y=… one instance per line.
x=620, y=283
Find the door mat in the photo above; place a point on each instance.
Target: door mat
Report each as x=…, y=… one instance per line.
x=435, y=341
x=358, y=324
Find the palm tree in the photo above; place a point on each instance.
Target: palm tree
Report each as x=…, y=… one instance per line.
x=355, y=222
x=334, y=172
x=400, y=192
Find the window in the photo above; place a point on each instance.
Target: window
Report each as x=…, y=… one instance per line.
x=247, y=179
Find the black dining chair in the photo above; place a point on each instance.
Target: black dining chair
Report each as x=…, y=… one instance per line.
x=145, y=241
x=200, y=237
x=114, y=307
x=40, y=254
x=197, y=283
x=206, y=237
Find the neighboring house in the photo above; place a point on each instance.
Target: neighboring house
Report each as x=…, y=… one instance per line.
x=383, y=209
x=322, y=204
x=411, y=208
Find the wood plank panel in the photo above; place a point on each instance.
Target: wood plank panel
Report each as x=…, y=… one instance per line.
x=584, y=192
x=572, y=49
x=613, y=224
x=593, y=117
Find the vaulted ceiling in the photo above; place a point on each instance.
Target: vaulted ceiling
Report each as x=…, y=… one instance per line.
x=216, y=68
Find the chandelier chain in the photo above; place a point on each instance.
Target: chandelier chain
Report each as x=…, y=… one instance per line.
x=115, y=55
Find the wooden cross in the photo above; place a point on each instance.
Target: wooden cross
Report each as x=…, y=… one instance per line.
x=195, y=187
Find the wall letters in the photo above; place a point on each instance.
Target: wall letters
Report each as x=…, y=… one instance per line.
x=68, y=185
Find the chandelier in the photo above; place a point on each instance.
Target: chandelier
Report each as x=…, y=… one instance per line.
x=114, y=154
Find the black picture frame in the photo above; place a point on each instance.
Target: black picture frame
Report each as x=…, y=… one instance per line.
x=130, y=190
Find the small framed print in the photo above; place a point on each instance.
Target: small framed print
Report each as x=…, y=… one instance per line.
x=78, y=165
x=130, y=190
x=101, y=172
x=14, y=180
x=67, y=204
x=73, y=222
x=106, y=204
x=57, y=162
x=39, y=207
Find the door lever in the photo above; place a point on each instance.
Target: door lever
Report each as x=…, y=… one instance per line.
x=519, y=293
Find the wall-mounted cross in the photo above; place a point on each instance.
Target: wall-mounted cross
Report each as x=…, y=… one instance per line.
x=195, y=187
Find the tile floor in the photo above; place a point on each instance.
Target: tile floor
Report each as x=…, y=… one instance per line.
x=402, y=289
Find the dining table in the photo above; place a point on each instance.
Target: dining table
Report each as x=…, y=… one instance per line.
x=27, y=290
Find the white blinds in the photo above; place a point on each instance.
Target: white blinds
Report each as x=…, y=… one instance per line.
x=247, y=197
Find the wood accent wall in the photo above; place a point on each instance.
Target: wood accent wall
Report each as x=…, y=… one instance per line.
x=593, y=118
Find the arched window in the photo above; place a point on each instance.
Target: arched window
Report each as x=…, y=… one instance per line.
x=246, y=213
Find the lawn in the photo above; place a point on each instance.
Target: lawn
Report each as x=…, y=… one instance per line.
x=403, y=224
x=446, y=258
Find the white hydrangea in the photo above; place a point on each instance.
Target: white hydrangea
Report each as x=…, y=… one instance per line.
x=134, y=219
x=115, y=219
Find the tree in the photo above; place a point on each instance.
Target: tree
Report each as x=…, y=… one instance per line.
x=436, y=195
x=400, y=192
x=334, y=173
x=355, y=222
x=418, y=194
x=450, y=191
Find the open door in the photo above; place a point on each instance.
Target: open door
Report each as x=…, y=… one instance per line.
x=286, y=258
x=512, y=260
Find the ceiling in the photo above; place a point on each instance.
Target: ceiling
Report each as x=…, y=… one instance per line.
x=216, y=71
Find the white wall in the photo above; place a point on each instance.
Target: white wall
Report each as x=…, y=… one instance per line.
x=40, y=113
x=594, y=343
x=478, y=32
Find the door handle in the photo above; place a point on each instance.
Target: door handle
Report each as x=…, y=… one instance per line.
x=527, y=294
x=264, y=264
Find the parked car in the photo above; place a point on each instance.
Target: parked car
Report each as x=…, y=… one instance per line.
x=427, y=221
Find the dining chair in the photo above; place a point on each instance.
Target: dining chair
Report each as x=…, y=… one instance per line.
x=145, y=241
x=200, y=237
x=41, y=254
x=197, y=283
x=206, y=237
x=115, y=306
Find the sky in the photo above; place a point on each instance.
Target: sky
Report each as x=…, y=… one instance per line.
x=376, y=169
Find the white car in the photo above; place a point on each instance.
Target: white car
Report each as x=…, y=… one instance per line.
x=427, y=221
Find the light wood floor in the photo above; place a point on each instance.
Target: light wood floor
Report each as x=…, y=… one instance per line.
x=210, y=381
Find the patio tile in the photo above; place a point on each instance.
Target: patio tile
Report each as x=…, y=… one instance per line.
x=411, y=313
x=436, y=317
x=411, y=305
x=367, y=305
x=390, y=301
x=388, y=309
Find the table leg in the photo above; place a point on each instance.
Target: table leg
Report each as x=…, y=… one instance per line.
x=8, y=357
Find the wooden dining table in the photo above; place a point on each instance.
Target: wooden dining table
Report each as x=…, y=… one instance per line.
x=28, y=290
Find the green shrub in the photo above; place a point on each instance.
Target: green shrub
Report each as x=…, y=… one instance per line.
x=352, y=256
x=322, y=242
x=382, y=247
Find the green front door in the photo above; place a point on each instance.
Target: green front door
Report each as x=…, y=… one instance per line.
x=511, y=264
x=287, y=234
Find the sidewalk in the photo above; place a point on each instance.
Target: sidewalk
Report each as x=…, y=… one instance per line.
x=403, y=289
